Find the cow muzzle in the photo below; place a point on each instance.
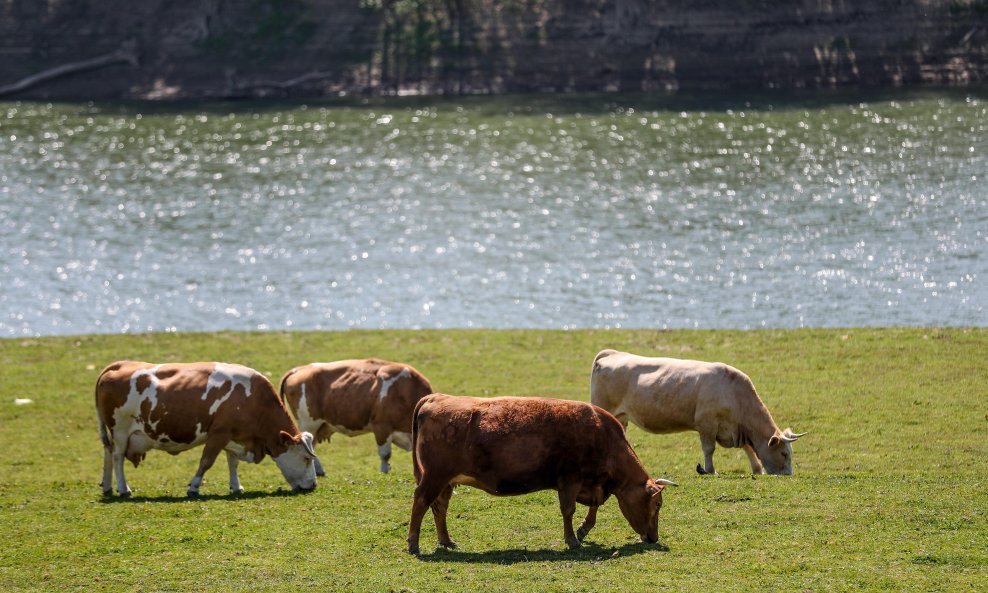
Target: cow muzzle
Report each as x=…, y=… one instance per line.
x=303, y=489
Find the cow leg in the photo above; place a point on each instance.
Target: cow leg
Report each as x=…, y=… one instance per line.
x=426, y=493
x=756, y=464
x=707, y=444
x=209, y=454
x=321, y=433
x=439, y=508
x=588, y=522
x=233, y=461
x=383, y=438
x=107, y=483
x=567, y=505
x=318, y=466
x=119, y=455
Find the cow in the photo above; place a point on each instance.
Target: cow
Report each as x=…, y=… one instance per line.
x=174, y=407
x=515, y=445
x=354, y=397
x=663, y=395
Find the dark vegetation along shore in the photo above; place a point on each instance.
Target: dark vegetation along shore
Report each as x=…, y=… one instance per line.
x=252, y=48
x=888, y=492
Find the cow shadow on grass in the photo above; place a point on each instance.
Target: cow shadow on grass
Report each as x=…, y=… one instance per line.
x=170, y=498
x=589, y=552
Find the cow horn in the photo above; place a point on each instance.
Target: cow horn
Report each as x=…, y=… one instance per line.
x=665, y=482
x=790, y=436
x=306, y=441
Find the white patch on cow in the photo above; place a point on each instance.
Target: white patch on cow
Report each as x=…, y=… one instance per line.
x=126, y=415
x=305, y=420
x=387, y=383
x=384, y=452
x=402, y=440
x=139, y=442
x=242, y=453
x=296, y=465
x=227, y=373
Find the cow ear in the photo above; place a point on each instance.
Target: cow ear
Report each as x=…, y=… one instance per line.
x=774, y=440
x=286, y=439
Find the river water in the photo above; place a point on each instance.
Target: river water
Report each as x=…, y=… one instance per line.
x=551, y=212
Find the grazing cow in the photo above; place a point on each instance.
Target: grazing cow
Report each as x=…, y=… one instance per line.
x=175, y=407
x=515, y=445
x=355, y=397
x=663, y=395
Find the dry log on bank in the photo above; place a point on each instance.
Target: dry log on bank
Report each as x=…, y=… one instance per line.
x=127, y=54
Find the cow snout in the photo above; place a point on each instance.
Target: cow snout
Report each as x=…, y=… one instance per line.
x=650, y=539
x=304, y=488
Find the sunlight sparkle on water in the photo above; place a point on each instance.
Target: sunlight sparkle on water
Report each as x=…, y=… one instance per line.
x=593, y=212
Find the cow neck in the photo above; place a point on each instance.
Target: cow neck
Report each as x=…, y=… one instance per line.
x=630, y=471
x=282, y=421
x=757, y=424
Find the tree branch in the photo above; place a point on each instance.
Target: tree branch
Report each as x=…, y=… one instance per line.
x=125, y=54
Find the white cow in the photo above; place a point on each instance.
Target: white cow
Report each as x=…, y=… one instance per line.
x=663, y=395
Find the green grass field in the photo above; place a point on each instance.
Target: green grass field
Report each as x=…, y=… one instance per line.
x=890, y=490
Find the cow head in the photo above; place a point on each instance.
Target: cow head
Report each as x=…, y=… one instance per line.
x=776, y=455
x=297, y=462
x=640, y=505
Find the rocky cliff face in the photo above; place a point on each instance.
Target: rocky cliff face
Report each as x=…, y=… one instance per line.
x=231, y=48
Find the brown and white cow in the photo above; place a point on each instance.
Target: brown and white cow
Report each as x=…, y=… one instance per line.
x=175, y=407
x=515, y=445
x=354, y=397
x=663, y=395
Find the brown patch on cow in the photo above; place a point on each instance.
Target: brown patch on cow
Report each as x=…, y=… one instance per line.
x=142, y=383
x=219, y=391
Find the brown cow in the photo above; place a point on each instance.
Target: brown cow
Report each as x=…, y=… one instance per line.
x=664, y=395
x=355, y=397
x=515, y=445
x=175, y=407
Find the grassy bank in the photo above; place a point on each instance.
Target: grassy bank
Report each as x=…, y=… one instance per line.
x=890, y=490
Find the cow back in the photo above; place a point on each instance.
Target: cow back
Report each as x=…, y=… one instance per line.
x=511, y=445
x=351, y=395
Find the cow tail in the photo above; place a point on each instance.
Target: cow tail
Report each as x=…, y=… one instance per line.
x=281, y=385
x=595, y=370
x=104, y=435
x=416, y=422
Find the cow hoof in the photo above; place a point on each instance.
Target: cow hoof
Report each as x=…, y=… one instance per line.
x=581, y=534
x=236, y=492
x=192, y=494
x=450, y=545
x=126, y=494
x=108, y=492
x=413, y=549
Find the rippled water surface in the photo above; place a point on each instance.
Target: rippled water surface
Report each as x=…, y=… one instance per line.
x=615, y=211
